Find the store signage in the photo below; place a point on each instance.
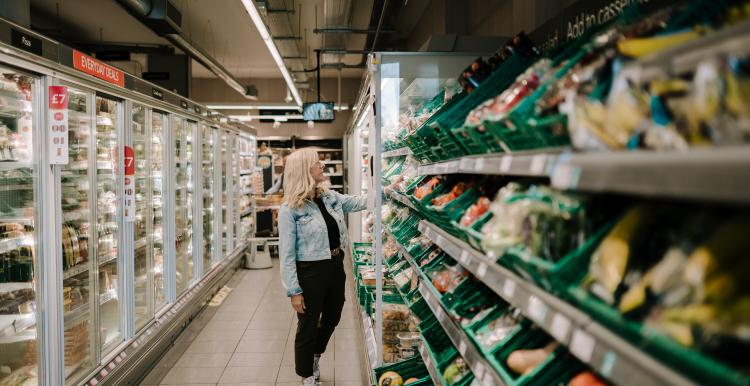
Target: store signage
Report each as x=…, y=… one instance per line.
x=25, y=41
x=57, y=119
x=129, y=196
x=573, y=21
x=94, y=67
x=158, y=94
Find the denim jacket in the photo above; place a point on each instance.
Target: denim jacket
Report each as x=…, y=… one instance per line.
x=303, y=235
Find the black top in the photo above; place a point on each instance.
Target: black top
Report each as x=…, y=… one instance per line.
x=333, y=229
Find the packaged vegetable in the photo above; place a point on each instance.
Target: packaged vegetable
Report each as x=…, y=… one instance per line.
x=475, y=211
x=539, y=220
x=427, y=187
x=455, y=371
x=525, y=361
x=587, y=378
x=444, y=199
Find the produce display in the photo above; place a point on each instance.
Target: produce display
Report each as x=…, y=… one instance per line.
x=533, y=279
x=679, y=271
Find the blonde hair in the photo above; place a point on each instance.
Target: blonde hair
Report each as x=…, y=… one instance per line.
x=299, y=185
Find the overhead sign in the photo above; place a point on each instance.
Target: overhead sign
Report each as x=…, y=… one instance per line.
x=25, y=41
x=94, y=67
x=57, y=132
x=129, y=196
x=573, y=21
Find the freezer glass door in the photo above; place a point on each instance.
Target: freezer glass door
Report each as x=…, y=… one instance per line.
x=156, y=186
x=224, y=193
x=143, y=233
x=183, y=203
x=246, y=185
x=18, y=172
x=207, y=169
x=235, y=168
x=107, y=220
x=77, y=199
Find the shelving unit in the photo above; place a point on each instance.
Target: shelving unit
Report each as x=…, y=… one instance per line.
x=596, y=333
x=701, y=174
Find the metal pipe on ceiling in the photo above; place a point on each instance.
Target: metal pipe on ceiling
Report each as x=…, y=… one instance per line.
x=142, y=8
x=209, y=62
x=348, y=30
x=380, y=25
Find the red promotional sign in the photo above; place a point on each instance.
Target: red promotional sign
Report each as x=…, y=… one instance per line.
x=57, y=131
x=58, y=97
x=129, y=161
x=129, y=206
x=93, y=67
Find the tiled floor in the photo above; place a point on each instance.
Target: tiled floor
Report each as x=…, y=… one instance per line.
x=249, y=340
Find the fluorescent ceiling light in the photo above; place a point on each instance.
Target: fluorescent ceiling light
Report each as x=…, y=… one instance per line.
x=268, y=106
x=245, y=106
x=266, y=36
x=280, y=118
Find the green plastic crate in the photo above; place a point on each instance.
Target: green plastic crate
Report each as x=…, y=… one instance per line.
x=554, y=276
x=408, y=368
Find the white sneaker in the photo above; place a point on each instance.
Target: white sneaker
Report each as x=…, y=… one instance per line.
x=309, y=381
x=316, y=368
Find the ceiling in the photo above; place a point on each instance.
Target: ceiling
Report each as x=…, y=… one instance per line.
x=223, y=29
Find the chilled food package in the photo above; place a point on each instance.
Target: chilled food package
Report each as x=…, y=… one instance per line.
x=542, y=222
x=709, y=108
x=680, y=271
x=397, y=321
x=587, y=378
x=524, y=361
x=498, y=329
x=443, y=199
x=495, y=109
x=448, y=278
x=455, y=371
x=427, y=187
x=419, y=243
x=475, y=211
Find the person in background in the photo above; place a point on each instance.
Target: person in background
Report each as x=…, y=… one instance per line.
x=312, y=236
x=279, y=181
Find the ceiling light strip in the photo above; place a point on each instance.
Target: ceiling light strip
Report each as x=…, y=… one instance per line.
x=252, y=10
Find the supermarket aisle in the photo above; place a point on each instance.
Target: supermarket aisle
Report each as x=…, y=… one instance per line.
x=249, y=340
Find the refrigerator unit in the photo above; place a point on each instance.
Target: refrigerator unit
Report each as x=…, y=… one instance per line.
x=120, y=211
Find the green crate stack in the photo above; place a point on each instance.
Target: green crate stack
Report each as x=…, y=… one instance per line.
x=478, y=140
x=408, y=368
x=449, y=146
x=422, y=141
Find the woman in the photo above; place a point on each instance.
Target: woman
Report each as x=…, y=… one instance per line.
x=312, y=235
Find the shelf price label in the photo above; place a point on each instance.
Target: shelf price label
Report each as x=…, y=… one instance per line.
x=129, y=196
x=582, y=345
x=57, y=132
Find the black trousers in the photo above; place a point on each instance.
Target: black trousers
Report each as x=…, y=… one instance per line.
x=323, y=284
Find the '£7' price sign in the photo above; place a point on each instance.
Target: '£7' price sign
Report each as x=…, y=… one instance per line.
x=129, y=191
